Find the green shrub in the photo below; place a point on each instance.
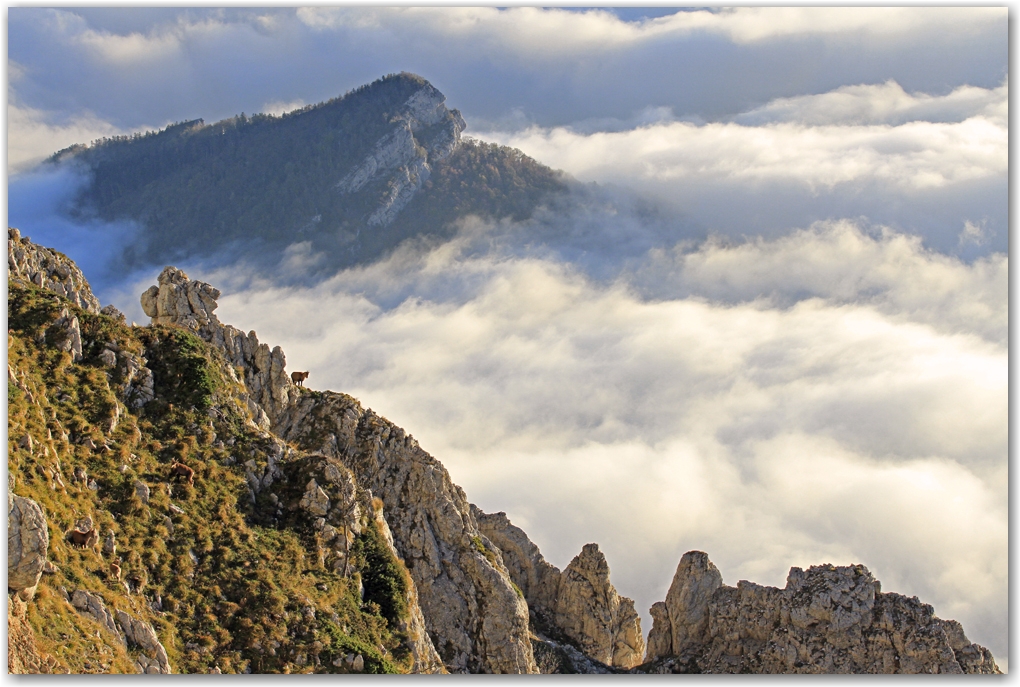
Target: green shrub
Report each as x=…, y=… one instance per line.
x=181, y=368
x=384, y=577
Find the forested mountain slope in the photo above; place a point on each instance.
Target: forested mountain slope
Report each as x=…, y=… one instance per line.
x=353, y=176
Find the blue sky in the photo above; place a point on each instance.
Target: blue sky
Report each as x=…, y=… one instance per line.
x=808, y=364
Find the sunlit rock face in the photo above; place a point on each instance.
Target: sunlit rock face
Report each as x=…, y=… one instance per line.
x=48, y=269
x=27, y=543
x=579, y=604
x=828, y=619
x=464, y=595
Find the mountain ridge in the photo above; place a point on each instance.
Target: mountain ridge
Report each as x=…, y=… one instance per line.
x=309, y=534
x=353, y=177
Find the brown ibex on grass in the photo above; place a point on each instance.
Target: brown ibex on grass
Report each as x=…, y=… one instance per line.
x=183, y=471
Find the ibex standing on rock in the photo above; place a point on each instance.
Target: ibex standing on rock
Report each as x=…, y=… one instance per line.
x=299, y=377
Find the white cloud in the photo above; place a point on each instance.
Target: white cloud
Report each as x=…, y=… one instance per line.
x=33, y=135
x=972, y=233
x=838, y=262
x=915, y=155
x=155, y=46
x=751, y=24
x=862, y=151
x=530, y=32
x=832, y=394
x=558, y=66
x=844, y=423
x=885, y=103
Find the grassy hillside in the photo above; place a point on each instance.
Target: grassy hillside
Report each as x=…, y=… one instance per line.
x=238, y=589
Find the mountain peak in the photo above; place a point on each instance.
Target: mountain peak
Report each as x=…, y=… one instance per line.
x=338, y=175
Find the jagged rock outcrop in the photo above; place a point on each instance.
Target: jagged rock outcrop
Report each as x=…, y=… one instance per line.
x=27, y=544
x=828, y=619
x=589, y=610
x=537, y=578
x=469, y=608
x=472, y=613
x=178, y=300
x=580, y=602
x=67, y=334
x=477, y=621
x=424, y=132
x=136, y=632
x=48, y=269
x=141, y=634
x=475, y=618
x=94, y=605
x=686, y=606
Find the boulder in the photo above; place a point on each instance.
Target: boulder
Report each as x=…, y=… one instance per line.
x=27, y=544
x=93, y=605
x=142, y=634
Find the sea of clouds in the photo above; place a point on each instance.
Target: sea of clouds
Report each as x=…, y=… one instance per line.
x=770, y=322
x=764, y=413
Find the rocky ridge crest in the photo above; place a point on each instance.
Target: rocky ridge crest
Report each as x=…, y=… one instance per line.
x=474, y=616
x=580, y=603
x=828, y=619
x=48, y=269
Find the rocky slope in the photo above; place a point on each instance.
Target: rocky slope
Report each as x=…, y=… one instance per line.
x=828, y=619
x=177, y=504
x=476, y=619
x=48, y=269
x=168, y=531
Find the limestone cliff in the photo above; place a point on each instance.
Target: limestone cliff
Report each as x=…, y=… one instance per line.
x=828, y=619
x=474, y=617
x=424, y=132
x=578, y=603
